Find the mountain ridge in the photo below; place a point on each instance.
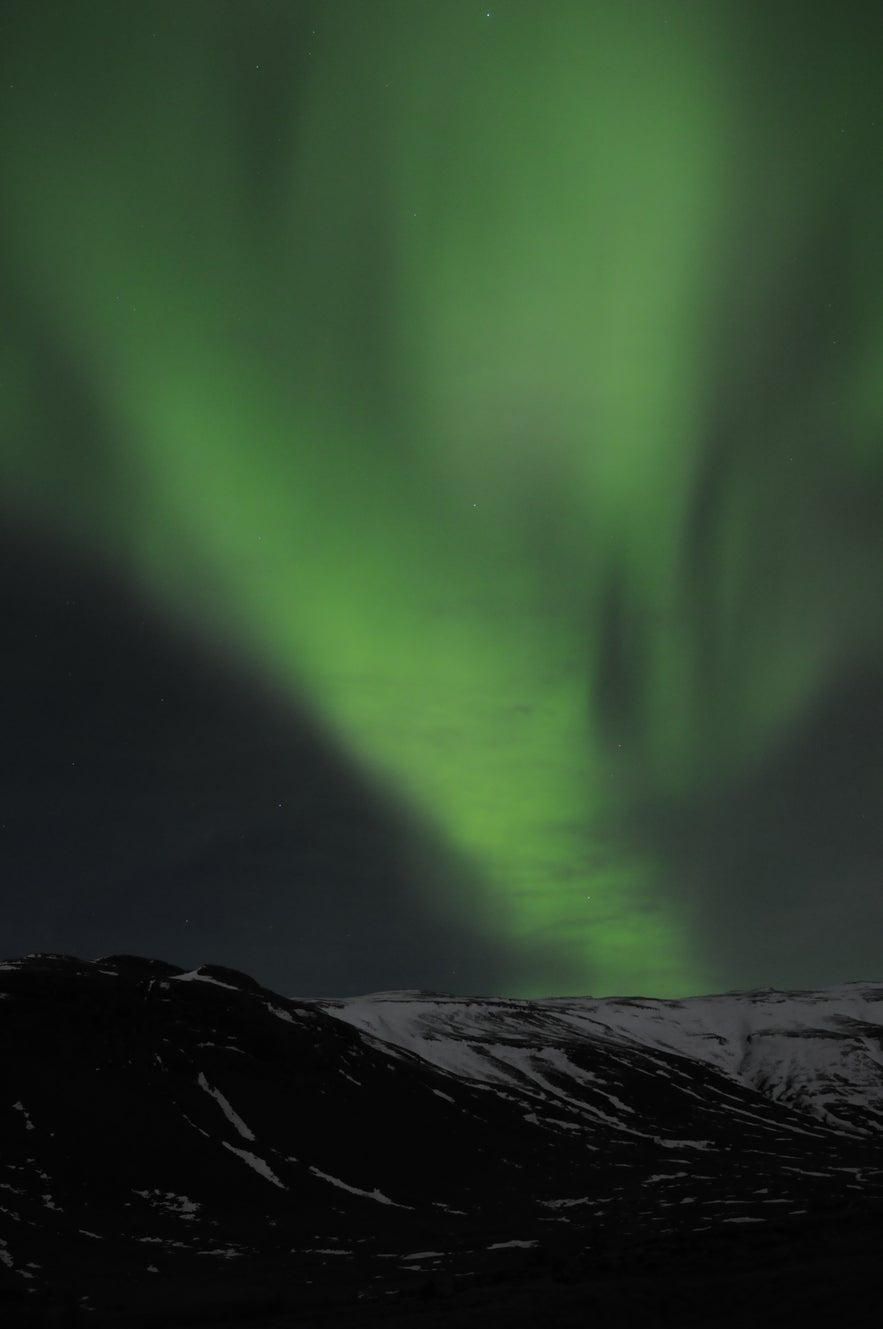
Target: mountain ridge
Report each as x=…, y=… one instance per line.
x=340, y=1155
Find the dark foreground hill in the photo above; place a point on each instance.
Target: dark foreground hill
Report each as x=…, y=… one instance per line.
x=190, y=1148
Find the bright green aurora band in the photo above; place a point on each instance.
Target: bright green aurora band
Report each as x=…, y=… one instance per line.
x=500, y=381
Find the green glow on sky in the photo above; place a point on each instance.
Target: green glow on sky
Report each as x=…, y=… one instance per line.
x=413, y=337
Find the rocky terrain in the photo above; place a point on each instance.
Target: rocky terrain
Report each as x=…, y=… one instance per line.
x=191, y=1148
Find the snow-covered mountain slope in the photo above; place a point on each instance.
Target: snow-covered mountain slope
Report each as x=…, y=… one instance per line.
x=164, y=1132
x=820, y=1052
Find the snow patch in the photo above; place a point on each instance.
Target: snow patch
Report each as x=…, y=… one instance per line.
x=193, y=976
x=20, y=1107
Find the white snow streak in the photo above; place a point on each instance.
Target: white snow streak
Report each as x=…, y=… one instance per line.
x=356, y=1190
x=232, y=1117
x=257, y=1163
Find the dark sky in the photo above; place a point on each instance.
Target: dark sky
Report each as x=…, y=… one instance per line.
x=155, y=802
x=441, y=482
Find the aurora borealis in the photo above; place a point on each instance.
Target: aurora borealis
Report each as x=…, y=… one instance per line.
x=500, y=387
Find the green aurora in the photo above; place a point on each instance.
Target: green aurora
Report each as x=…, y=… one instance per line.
x=505, y=381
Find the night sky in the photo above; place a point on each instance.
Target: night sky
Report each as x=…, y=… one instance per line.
x=441, y=490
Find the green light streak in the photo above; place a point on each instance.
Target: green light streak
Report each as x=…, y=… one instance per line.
x=392, y=417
